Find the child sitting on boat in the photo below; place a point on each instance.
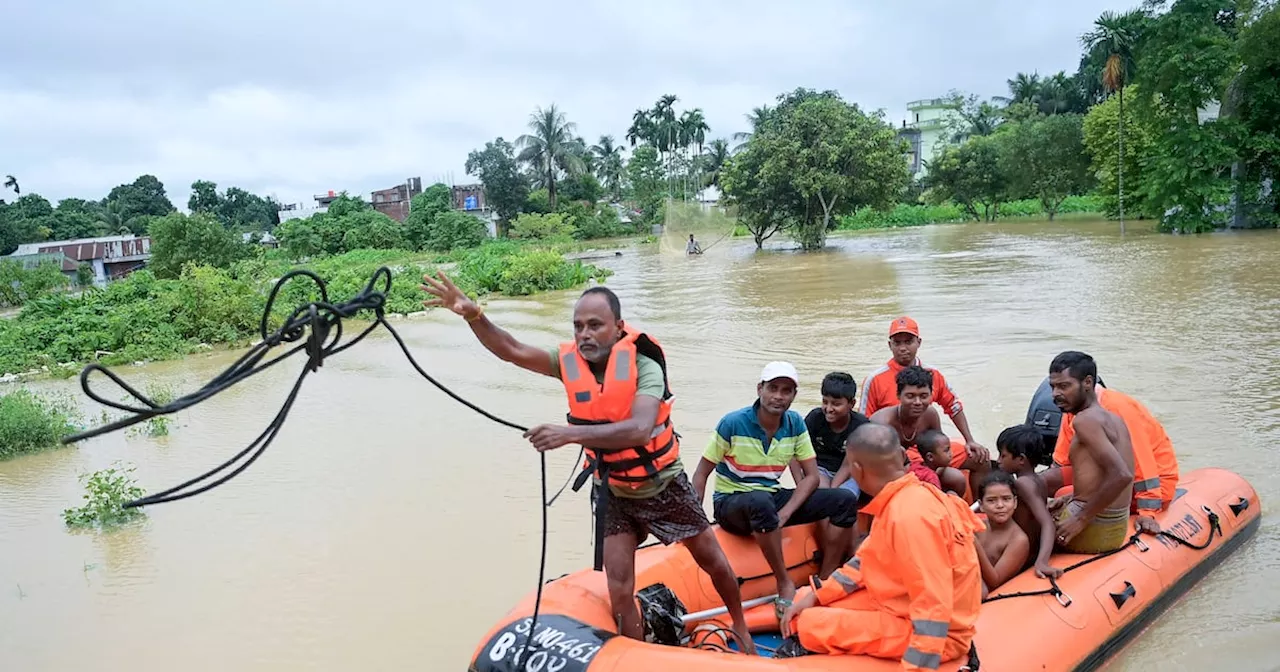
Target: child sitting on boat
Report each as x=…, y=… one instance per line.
x=1003, y=547
x=1020, y=448
x=935, y=453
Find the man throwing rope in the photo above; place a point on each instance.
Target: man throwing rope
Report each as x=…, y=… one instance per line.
x=621, y=414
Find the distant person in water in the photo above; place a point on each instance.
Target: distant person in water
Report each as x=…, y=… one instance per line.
x=1095, y=518
x=1003, y=547
x=692, y=247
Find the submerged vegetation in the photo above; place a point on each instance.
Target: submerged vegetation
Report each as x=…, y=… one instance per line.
x=30, y=423
x=106, y=493
x=143, y=317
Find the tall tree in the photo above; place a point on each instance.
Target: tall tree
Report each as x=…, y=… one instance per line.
x=1024, y=88
x=552, y=147
x=714, y=160
x=755, y=118
x=609, y=165
x=1115, y=35
x=11, y=182
x=505, y=187
x=1045, y=159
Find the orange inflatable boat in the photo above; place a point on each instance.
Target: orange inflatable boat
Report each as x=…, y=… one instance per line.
x=1026, y=624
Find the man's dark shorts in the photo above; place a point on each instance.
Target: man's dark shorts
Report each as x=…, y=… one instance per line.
x=743, y=513
x=671, y=515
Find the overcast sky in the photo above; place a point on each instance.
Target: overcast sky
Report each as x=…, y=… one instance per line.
x=296, y=97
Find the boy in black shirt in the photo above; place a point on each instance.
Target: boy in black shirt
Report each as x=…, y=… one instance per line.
x=829, y=427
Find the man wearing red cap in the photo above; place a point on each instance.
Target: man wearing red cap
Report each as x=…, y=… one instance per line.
x=880, y=389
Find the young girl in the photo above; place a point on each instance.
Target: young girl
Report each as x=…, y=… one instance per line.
x=1003, y=548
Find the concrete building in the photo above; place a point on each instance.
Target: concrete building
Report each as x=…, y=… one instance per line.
x=927, y=129
x=469, y=198
x=394, y=202
x=110, y=257
x=301, y=211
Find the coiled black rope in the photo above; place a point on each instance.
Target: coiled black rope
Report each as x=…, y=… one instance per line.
x=320, y=324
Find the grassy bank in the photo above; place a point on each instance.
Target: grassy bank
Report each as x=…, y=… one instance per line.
x=923, y=215
x=30, y=423
x=145, y=318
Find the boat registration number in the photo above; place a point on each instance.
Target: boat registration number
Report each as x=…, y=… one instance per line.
x=560, y=644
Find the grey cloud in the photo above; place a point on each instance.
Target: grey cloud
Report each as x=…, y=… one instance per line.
x=295, y=97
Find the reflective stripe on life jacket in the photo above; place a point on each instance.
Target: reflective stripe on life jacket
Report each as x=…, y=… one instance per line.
x=592, y=403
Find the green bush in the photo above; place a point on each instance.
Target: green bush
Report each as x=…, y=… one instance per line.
x=19, y=284
x=921, y=215
x=455, y=230
x=106, y=493
x=552, y=227
x=30, y=423
x=604, y=224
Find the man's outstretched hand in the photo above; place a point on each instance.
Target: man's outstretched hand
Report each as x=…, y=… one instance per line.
x=448, y=296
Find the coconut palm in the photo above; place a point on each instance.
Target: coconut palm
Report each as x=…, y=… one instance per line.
x=1024, y=88
x=714, y=159
x=11, y=182
x=693, y=132
x=609, y=165
x=756, y=118
x=1115, y=35
x=552, y=147
x=641, y=129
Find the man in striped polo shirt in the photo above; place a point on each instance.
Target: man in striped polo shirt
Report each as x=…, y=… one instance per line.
x=749, y=452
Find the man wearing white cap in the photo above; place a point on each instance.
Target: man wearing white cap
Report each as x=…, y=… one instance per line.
x=749, y=452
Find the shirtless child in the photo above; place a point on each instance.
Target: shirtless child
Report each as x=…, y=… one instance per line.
x=1003, y=548
x=1020, y=449
x=1096, y=518
x=935, y=451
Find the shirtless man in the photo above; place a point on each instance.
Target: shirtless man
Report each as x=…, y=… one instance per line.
x=1096, y=518
x=914, y=412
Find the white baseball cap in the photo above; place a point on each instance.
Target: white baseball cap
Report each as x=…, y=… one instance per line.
x=774, y=370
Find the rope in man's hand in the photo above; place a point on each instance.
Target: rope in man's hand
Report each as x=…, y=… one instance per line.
x=315, y=328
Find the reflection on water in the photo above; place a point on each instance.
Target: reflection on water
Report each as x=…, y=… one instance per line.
x=388, y=527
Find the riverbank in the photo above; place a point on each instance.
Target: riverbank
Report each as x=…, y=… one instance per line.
x=143, y=318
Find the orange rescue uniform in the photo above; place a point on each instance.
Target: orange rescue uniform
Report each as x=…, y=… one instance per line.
x=592, y=403
x=912, y=591
x=880, y=390
x=1155, y=467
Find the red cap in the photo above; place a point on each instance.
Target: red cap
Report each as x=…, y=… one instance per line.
x=904, y=325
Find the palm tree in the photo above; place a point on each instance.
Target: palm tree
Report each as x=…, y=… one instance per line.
x=666, y=131
x=715, y=157
x=756, y=118
x=609, y=165
x=11, y=182
x=641, y=129
x=1115, y=34
x=1024, y=88
x=693, y=132
x=551, y=147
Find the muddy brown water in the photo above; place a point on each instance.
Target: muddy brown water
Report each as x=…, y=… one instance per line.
x=388, y=527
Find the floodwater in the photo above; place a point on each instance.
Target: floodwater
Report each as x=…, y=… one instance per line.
x=388, y=527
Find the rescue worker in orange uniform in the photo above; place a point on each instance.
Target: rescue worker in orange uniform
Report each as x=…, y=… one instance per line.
x=1155, y=467
x=913, y=590
x=880, y=390
x=620, y=412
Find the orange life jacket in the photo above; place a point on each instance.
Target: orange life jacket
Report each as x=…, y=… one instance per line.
x=592, y=403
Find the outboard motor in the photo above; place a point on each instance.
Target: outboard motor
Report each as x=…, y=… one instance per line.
x=1046, y=417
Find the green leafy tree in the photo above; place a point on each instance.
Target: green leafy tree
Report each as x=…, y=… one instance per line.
x=645, y=178
x=553, y=227
x=372, y=230
x=761, y=203
x=582, y=187
x=551, y=147
x=1259, y=114
x=714, y=160
x=144, y=196
x=1188, y=58
x=973, y=175
x=505, y=188
x=1101, y=128
x=822, y=157
x=1045, y=159
x=178, y=239
x=423, y=210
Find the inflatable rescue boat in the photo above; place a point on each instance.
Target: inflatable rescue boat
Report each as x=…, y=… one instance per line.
x=1073, y=624
x=1027, y=624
